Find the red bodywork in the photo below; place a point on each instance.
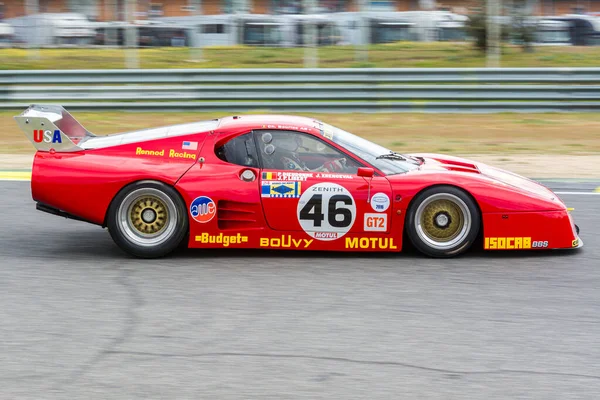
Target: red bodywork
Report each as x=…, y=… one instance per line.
x=516, y=213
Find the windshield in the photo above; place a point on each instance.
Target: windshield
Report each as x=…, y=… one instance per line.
x=370, y=151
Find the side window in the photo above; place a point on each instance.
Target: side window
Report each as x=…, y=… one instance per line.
x=297, y=151
x=240, y=151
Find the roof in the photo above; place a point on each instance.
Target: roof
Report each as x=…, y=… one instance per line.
x=263, y=121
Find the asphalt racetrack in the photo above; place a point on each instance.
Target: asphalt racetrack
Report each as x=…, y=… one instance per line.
x=80, y=320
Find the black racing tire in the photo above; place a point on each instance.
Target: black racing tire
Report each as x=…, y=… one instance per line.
x=148, y=219
x=443, y=221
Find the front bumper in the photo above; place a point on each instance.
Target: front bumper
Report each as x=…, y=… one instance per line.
x=543, y=230
x=577, y=243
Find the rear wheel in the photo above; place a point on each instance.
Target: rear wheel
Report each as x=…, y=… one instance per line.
x=148, y=219
x=443, y=221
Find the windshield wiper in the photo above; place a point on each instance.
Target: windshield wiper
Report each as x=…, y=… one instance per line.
x=391, y=156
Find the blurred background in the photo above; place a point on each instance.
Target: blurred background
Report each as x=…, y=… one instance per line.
x=350, y=30
x=80, y=321
x=353, y=63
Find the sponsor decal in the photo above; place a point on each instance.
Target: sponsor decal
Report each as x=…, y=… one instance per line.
x=285, y=241
x=184, y=154
x=302, y=176
x=203, y=209
x=286, y=176
x=513, y=243
x=370, y=243
x=40, y=136
x=280, y=189
x=326, y=235
x=189, y=146
x=375, y=222
x=141, y=152
x=225, y=240
x=380, y=202
x=286, y=127
x=334, y=176
x=326, y=211
x=160, y=153
x=327, y=133
x=575, y=243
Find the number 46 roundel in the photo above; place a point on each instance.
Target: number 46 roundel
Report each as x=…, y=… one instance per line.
x=326, y=211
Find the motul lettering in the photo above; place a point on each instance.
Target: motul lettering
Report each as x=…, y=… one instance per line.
x=326, y=235
x=370, y=243
x=40, y=135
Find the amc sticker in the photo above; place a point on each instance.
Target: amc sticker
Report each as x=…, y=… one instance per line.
x=380, y=202
x=326, y=211
x=375, y=222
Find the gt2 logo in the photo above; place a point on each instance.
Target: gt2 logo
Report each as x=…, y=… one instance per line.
x=375, y=222
x=40, y=136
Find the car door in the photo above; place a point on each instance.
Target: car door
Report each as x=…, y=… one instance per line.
x=223, y=194
x=309, y=185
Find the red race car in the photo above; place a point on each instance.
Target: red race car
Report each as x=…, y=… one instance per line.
x=281, y=182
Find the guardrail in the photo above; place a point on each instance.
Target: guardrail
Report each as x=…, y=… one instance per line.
x=310, y=90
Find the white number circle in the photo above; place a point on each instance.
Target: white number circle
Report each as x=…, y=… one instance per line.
x=326, y=211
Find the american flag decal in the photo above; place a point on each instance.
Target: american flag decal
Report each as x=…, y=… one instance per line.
x=189, y=146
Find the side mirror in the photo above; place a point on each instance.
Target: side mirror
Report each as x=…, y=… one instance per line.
x=365, y=172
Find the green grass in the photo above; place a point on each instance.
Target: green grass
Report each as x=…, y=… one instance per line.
x=460, y=134
x=402, y=54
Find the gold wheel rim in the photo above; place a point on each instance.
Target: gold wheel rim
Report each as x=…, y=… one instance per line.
x=148, y=215
x=447, y=212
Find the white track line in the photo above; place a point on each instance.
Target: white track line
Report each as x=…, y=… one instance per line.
x=577, y=193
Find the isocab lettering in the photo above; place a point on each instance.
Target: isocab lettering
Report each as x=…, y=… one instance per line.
x=510, y=243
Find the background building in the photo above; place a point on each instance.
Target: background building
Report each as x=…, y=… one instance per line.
x=115, y=10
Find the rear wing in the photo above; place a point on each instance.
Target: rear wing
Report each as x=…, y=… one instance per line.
x=52, y=127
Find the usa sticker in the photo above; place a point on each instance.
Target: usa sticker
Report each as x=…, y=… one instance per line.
x=189, y=146
x=40, y=136
x=380, y=202
x=375, y=222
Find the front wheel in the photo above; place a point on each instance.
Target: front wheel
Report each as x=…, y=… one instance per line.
x=443, y=221
x=148, y=219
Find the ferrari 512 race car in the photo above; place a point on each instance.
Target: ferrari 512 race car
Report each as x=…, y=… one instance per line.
x=281, y=182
